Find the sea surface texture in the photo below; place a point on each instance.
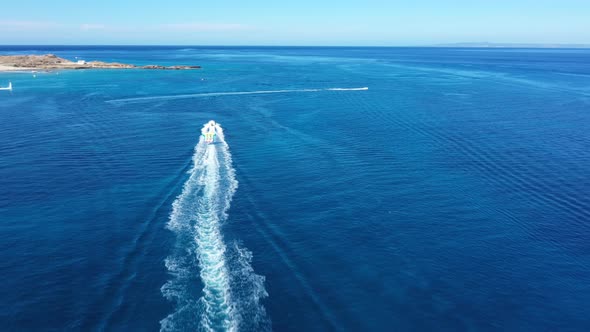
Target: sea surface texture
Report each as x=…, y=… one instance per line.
x=352, y=189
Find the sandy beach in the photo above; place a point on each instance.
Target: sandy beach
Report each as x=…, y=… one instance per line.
x=12, y=68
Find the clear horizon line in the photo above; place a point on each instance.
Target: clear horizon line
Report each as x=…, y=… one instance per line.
x=440, y=45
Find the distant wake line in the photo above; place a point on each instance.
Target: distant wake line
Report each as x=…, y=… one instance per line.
x=196, y=219
x=232, y=93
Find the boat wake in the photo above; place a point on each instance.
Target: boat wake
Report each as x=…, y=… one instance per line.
x=196, y=219
x=219, y=94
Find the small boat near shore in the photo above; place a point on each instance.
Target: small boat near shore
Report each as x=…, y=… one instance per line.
x=9, y=87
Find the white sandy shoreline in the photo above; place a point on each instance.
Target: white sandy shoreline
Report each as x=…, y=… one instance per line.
x=11, y=68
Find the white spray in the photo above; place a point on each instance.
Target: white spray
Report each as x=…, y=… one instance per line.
x=196, y=218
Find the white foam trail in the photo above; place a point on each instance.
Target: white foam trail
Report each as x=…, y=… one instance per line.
x=218, y=94
x=196, y=218
x=348, y=89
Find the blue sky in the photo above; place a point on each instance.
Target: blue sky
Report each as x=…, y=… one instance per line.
x=302, y=22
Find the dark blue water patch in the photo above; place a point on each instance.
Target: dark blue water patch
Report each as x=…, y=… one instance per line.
x=450, y=195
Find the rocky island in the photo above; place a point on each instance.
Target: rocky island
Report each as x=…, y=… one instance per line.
x=51, y=61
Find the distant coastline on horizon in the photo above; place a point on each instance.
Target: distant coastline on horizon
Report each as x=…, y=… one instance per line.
x=511, y=45
x=443, y=45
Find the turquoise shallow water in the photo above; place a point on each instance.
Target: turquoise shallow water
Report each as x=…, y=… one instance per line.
x=449, y=195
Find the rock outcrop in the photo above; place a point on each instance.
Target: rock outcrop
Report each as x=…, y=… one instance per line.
x=51, y=61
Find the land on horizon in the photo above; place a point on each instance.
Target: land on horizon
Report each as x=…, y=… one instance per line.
x=443, y=45
x=51, y=61
x=511, y=45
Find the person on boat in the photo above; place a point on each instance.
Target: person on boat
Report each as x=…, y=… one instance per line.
x=204, y=131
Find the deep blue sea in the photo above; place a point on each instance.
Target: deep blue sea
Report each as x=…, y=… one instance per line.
x=452, y=194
